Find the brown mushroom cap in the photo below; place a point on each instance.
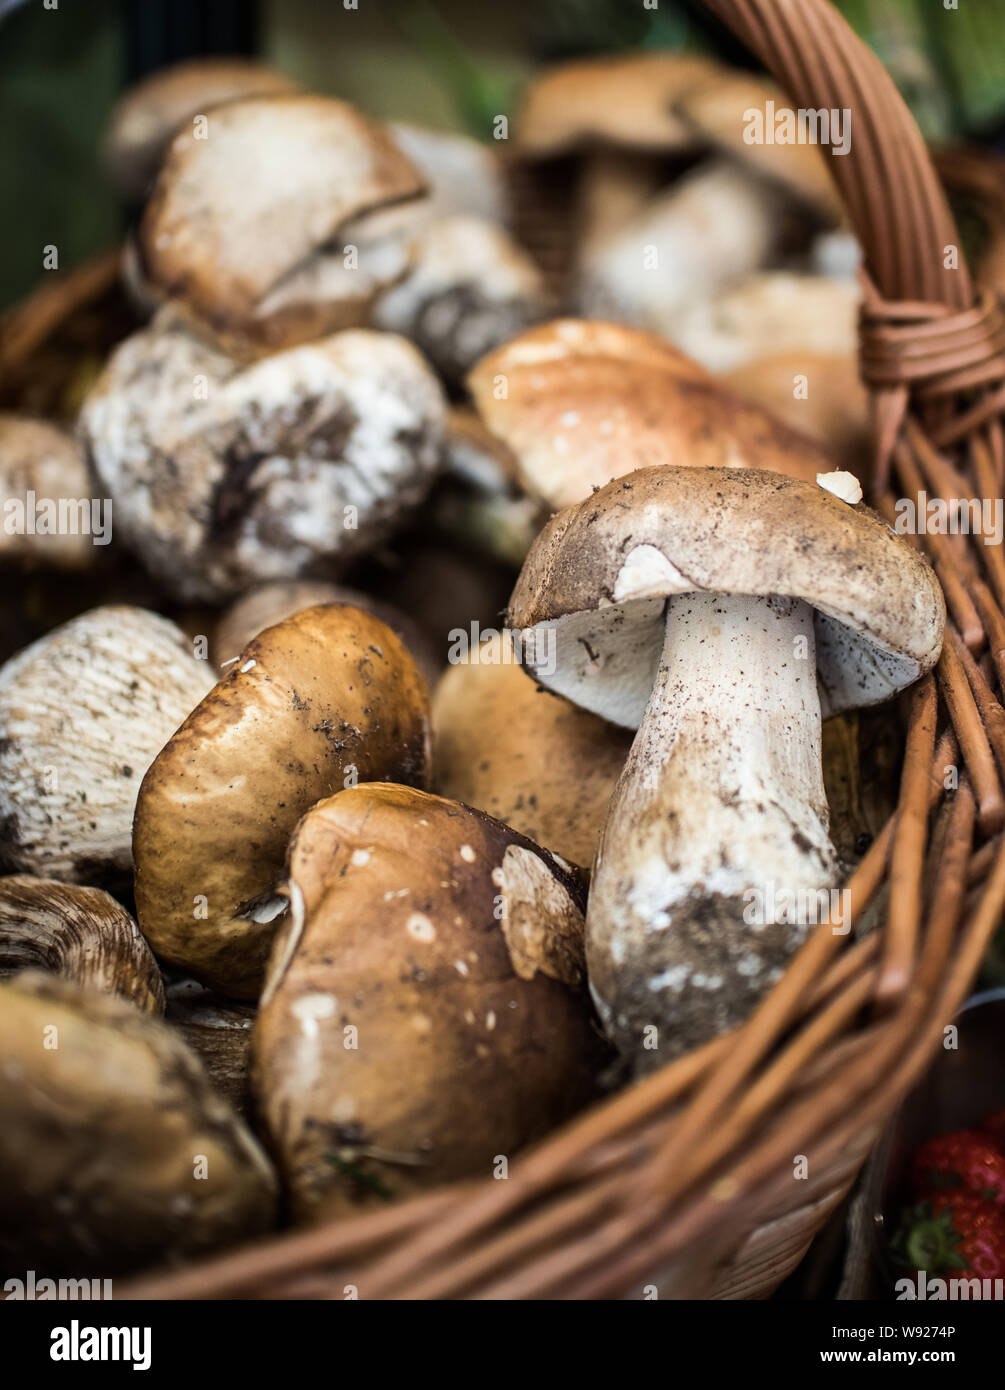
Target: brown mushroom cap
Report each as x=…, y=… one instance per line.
x=580, y=402
x=422, y=1013
x=218, y=1031
x=80, y=934
x=717, y=110
x=114, y=1150
x=269, y=604
x=626, y=101
x=40, y=459
x=599, y=575
x=220, y=237
x=832, y=407
x=536, y=762
x=146, y=118
x=325, y=698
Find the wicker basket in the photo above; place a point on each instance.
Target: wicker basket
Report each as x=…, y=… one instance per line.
x=685, y=1182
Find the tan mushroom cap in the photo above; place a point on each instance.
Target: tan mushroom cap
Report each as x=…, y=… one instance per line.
x=104, y=1116
x=80, y=934
x=423, y=1010
x=599, y=575
x=268, y=604
x=144, y=120
x=504, y=744
x=718, y=111
x=820, y=394
x=43, y=468
x=233, y=215
x=625, y=101
x=580, y=402
x=325, y=698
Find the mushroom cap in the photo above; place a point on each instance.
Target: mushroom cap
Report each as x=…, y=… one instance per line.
x=231, y=216
x=527, y=757
x=716, y=110
x=587, y=401
x=778, y=308
x=218, y=1031
x=627, y=101
x=37, y=456
x=145, y=119
x=269, y=604
x=83, y=713
x=470, y=288
x=325, y=698
x=833, y=408
x=464, y=176
x=598, y=576
x=306, y=456
x=80, y=934
x=452, y=946
x=103, y=1123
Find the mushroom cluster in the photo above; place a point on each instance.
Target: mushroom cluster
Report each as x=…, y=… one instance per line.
x=395, y=773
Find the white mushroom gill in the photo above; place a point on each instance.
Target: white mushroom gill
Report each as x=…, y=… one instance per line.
x=719, y=809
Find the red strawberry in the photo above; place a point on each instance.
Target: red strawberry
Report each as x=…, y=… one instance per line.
x=953, y=1231
x=962, y=1159
x=993, y=1128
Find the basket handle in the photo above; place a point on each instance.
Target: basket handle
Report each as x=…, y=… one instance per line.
x=895, y=202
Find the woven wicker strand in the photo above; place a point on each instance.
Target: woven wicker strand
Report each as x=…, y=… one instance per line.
x=686, y=1179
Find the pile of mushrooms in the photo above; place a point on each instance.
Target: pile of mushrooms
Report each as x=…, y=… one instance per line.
x=396, y=780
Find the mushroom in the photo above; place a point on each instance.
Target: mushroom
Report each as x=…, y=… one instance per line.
x=479, y=502
x=250, y=230
x=48, y=515
x=718, y=222
x=83, y=713
x=322, y=700
x=469, y=288
x=144, y=121
x=821, y=394
x=707, y=608
x=616, y=115
x=580, y=402
x=269, y=604
x=80, y=934
x=423, y=1016
x=463, y=176
x=224, y=476
x=506, y=745
x=218, y=1031
x=812, y=314
x=114, y=1149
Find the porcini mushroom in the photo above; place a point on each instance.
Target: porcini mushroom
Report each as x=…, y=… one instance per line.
x=115, y=1152
x=322, y=700
x=707, y=608
x=80, y=934
x=145, y=120
x=46, y=491
x=83, y=713
x=508, y=746
x=224, y=476
x=269, y=604
x=265, y=259
x=580, y=402
x=218, y=1031
x=423, y=1015
x=470, y=287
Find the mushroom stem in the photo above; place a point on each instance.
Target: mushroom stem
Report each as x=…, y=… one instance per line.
x=715, y=849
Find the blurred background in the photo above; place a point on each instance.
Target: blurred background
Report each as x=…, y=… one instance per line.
x=444, y=62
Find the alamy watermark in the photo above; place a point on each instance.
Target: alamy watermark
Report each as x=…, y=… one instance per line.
x=32, y=515
x=958, y=516
x=784, y=125
x=798, y=907
x=537, y=647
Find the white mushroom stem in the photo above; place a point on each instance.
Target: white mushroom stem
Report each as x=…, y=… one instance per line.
x=718, y=819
